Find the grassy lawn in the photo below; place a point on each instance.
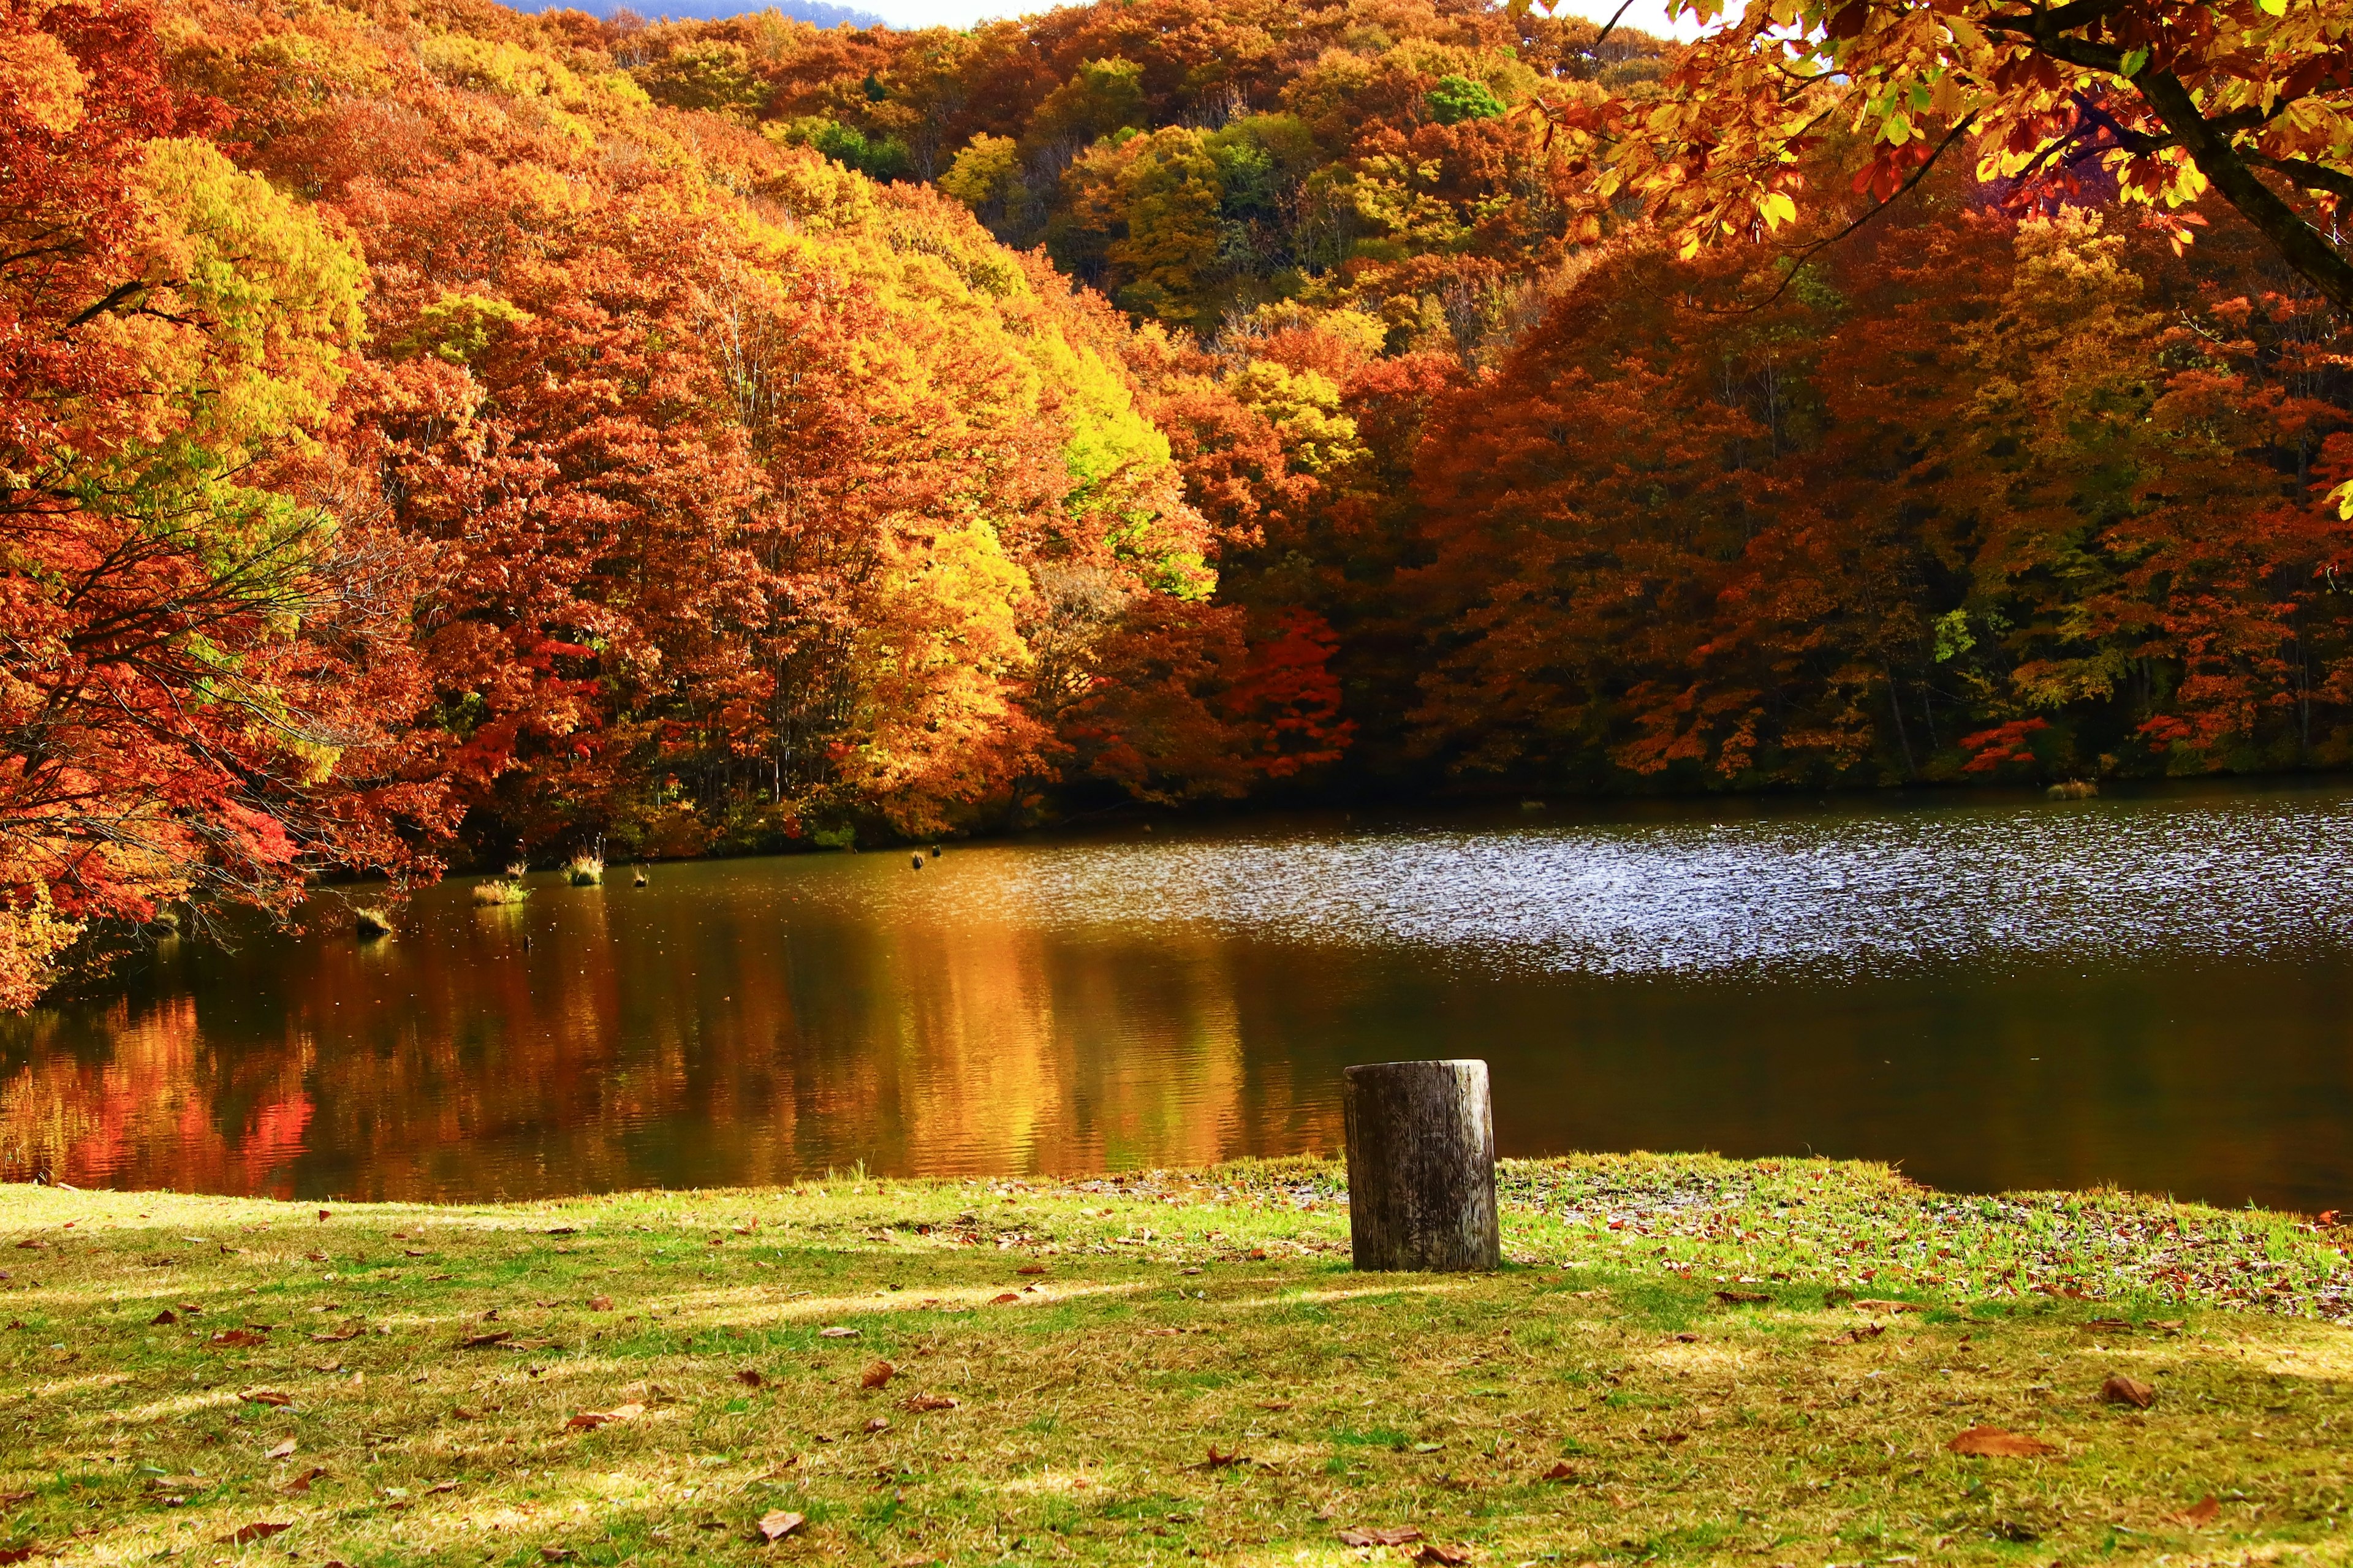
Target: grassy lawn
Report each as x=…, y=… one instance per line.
x=1686, y=1360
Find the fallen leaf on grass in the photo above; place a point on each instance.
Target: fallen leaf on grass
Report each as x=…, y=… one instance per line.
x=337, y=1337
x=556, y=1553
x=1993, y=1443
x=1738, y=1298
x=283, y=1451
x=749, y=1378
x=440, y=1486
x=269, y=1396
x=1432, y=1552
x=1686, y=1338
x=879, y=1424
x=1000, y=1301
x=235, y=1339
x=165, y=1319
x=259, y=1529
x=10, y=1499
x=777, y=1525
x=1878, y=1306
x=2197, y=1515
x=1219, y=1461
x=1402, y=1535
x=589, y=1420
x=1275, y=1404
x=1559, y=1472
x=1031, y=1268
x=877, y=1374
x=2105, y=1323
x=483, y=1341
x=600, y=1303
x=301, y=1483
x=837, y=1333
x=19, y=1553
x=930, y=1401
x=2122, y=1390
x=1860, y=1332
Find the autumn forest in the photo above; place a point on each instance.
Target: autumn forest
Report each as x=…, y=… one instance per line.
x=432, y=434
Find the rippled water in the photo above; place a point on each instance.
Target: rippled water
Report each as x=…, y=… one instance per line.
x=1994, y=993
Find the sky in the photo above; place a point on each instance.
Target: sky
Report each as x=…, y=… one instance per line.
x=1650, y=16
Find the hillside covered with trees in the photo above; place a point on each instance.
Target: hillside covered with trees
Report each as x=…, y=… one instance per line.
x=431, y=432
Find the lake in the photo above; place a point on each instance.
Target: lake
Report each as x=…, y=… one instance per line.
x=2155, y=991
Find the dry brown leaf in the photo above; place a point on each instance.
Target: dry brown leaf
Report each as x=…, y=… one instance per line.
x=1431, y=1551
x=1219, y=1461
x=877, y=1374
x=322, y=1217
x=1402, y=1535
x=777, y=1525
x=1993, y=1443
x=2122, y=1390
x=336, y=1338
x=589, y=1420
x=269, y=1396
x=10, y=1499
x=259, y=1529
x=1860, y=1332
x=2105, y=1323
x=19, y=1554
x=1559, y=1472
x=749, y=1378
x=163, y=1320
x=1000, y=1301
x=557, y=1554
x=483, y=1342
x=930, y=1401
x=2200, y=1514
x=1740, y=1298
x=837, y=1333
x=440, y=1486
x=283, y=1451
x=301, y=1483
x=2169, y=1325
x=237, y=1338
x=1031, y=1268
x=600, y=1303
x=879, y=1424
x=1686, y=1338
x=1878, y=1306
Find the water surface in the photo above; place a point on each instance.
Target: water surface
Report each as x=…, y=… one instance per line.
x=1995, y=992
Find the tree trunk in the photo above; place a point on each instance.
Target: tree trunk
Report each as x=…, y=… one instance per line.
x=1421, y=1167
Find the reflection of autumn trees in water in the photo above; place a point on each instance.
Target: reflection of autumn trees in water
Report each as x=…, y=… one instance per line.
x=699, y=1040
x=154, y=1100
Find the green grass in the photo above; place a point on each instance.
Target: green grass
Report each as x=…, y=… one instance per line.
x=1690, y=1429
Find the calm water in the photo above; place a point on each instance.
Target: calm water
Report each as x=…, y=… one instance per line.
x=2156, y=992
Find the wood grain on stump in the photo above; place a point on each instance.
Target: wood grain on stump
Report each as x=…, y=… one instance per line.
x=1421, y=1165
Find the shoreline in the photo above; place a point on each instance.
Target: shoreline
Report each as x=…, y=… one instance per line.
x=1685, y=1359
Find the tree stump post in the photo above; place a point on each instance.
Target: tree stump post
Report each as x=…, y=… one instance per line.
x=1421, y=1167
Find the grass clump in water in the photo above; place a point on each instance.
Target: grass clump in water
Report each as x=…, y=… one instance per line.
x=495, y=891
x=584, y=870
x=1686, y=1360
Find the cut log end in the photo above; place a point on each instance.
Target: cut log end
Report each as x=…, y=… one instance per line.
x=1421, y=1167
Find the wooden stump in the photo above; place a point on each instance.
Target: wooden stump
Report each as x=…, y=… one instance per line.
x=1421, y=1167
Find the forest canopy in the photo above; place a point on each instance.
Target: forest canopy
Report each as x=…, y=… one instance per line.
x=431, y=434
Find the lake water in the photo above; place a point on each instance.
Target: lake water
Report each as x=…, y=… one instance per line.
x=2156, y=992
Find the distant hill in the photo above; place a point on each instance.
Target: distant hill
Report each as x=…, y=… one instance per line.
x=813, y=11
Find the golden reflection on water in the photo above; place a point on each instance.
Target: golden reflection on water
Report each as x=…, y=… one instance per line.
x=2151, y=992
